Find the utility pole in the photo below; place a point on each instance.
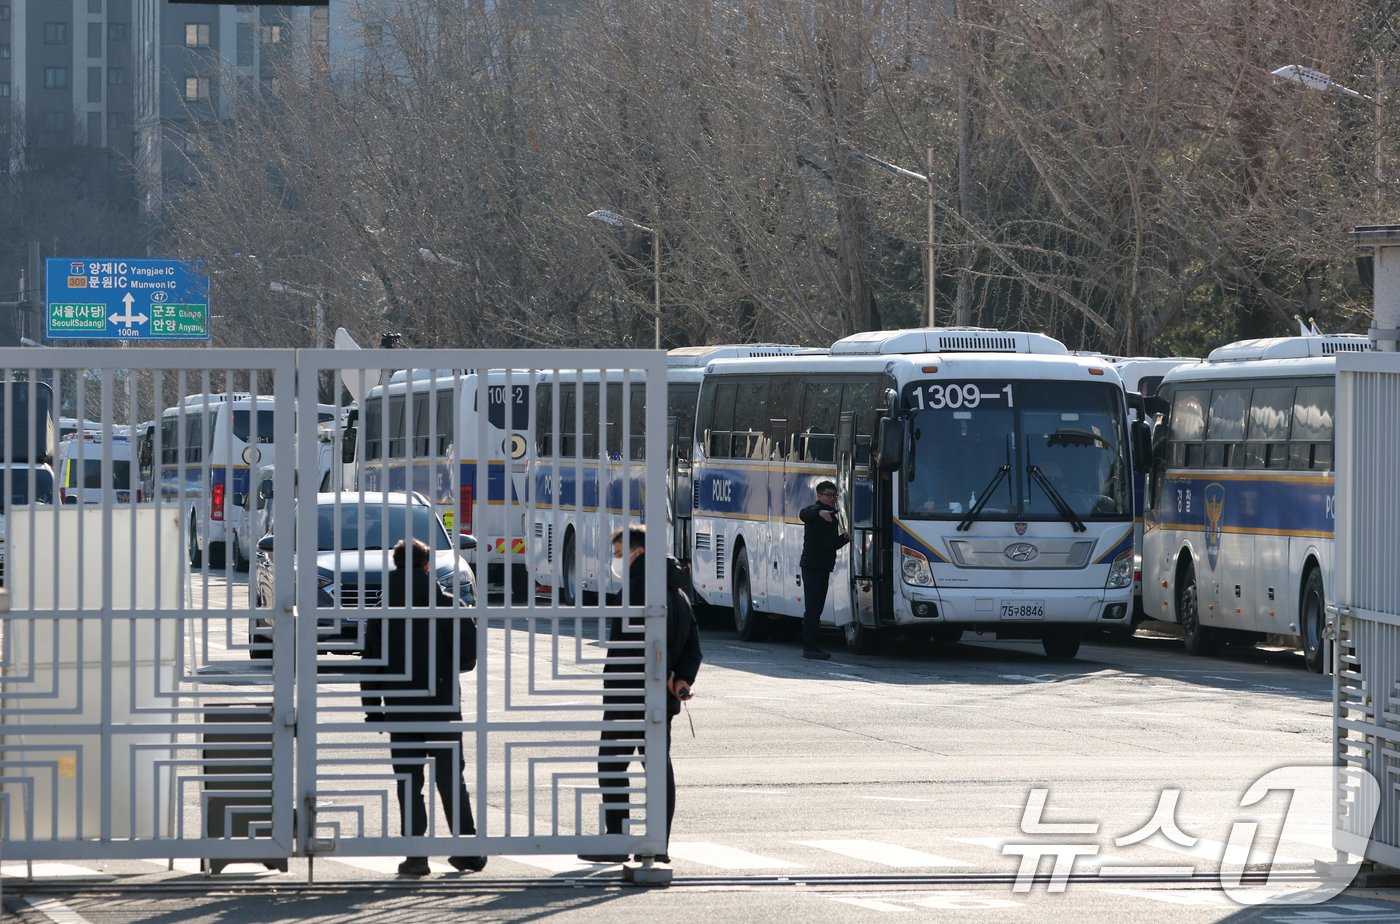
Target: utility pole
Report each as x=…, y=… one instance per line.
x=25, y=305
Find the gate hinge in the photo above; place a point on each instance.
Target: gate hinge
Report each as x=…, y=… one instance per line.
x=287, y=717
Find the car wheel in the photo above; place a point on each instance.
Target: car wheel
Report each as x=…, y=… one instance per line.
x=240, y=561
x=750, y=626
x=1312, y=617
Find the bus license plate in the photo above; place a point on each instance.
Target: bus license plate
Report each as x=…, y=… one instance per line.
x=1023, y=609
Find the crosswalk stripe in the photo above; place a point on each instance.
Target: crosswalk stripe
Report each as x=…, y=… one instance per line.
x=884, y=854
x=55, y=911
x=722, y=857
x=44, y=870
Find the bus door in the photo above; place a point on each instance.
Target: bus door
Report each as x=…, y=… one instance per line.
x=855, y=519
x=788, y=492
x=680, y=495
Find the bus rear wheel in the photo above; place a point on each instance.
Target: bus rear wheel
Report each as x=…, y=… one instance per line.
x=196, y=557
x=1311, y=609
x=568, y=572
x=1196, y=638
x=747, y=623
x=1061, y=643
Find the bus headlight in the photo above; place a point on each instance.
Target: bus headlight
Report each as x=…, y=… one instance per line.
x=914, y=566
x=1120, y=575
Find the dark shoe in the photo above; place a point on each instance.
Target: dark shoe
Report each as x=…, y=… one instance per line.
x=603, y=857
x=467, y=864
x=815, y=654
x=414, y=866
x=659, y=858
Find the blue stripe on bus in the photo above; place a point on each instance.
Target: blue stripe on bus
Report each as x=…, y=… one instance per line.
x=742, y=492
x=1124, y=544
x=433, y=479
x=1278, y=505
x=904, y=536
x=569, y=491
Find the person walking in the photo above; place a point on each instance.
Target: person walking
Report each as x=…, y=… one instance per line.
x=623, y=682
x=420, y=659
x=821, y=537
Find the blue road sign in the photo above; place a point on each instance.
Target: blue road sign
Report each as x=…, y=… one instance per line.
x=103, y=299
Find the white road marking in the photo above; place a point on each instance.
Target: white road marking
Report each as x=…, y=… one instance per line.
x=718, y=855
x=883, y=854
x=50, y=871
x=55, y=910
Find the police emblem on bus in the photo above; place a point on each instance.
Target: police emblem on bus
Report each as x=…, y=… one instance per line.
x=1215, y=512
x=1020, y=529
x=1022, y=552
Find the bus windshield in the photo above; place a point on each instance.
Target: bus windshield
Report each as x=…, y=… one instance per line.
x=1060, y=442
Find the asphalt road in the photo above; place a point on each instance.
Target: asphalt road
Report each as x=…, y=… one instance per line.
x=911, y=781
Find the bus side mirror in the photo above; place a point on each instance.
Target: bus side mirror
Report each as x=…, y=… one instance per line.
x=347, y=445
x=240, y=499
x=1142, y=445
x=265, y=490
x=889, y=445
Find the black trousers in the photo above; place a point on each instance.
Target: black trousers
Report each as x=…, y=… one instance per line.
x=614, y=755
x=815, y=583
x=410, y=753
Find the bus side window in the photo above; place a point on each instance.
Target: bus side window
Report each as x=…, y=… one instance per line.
x=1269, y=412
x=1310, y=445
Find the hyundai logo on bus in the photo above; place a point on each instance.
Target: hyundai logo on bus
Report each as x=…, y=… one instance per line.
x=1022, y=551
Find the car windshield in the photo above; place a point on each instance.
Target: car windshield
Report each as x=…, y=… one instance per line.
x=374, y=526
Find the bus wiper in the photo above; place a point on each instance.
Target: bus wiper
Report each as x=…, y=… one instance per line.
x=1065, y=510
x=966, y=523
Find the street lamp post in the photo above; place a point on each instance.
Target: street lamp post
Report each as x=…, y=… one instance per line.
x=927, y=180
x=620, y=221
x=1317, y=80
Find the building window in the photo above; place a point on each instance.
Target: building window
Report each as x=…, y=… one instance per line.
x=196, y=34
x=4, y=11
x=55, y=33
x=116, y=76
x=270, y=35
x=55, y=121
x=116, y=122
x=55, y=78
x=94, y=85
x=4, y=89
x=116, y=32
x=94, y=129
x=245, y=44
x=94, y=6
x=4, y=52
x=197, y=88
x=94, y=40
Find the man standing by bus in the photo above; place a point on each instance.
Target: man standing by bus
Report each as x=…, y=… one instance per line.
x=821, y=537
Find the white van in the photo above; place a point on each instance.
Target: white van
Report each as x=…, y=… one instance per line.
x=22, y=484
x=78, y=466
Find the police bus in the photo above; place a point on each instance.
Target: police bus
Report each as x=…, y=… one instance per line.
x=984, y=479
x=199, y=454
x=585, y=485
x=1238, y=539
x=425, y=431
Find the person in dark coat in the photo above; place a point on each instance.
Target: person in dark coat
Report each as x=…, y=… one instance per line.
x=623, y=682
x=821, y=538
x=422, y=657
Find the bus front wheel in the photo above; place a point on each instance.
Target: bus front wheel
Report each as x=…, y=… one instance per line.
x=1195, y=637
x=196, y=557
x=748, y=624
x=1311, y=609
x=860, y=639
x=1061, y=643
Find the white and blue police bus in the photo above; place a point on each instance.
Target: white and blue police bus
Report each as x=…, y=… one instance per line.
x=200, y=453
x=984, y=479
x=424, y=431
x=1239, y=513
x=584, y=486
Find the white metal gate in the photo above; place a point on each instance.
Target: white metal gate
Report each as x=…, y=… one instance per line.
x=158, y=702
x=1366, y=659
